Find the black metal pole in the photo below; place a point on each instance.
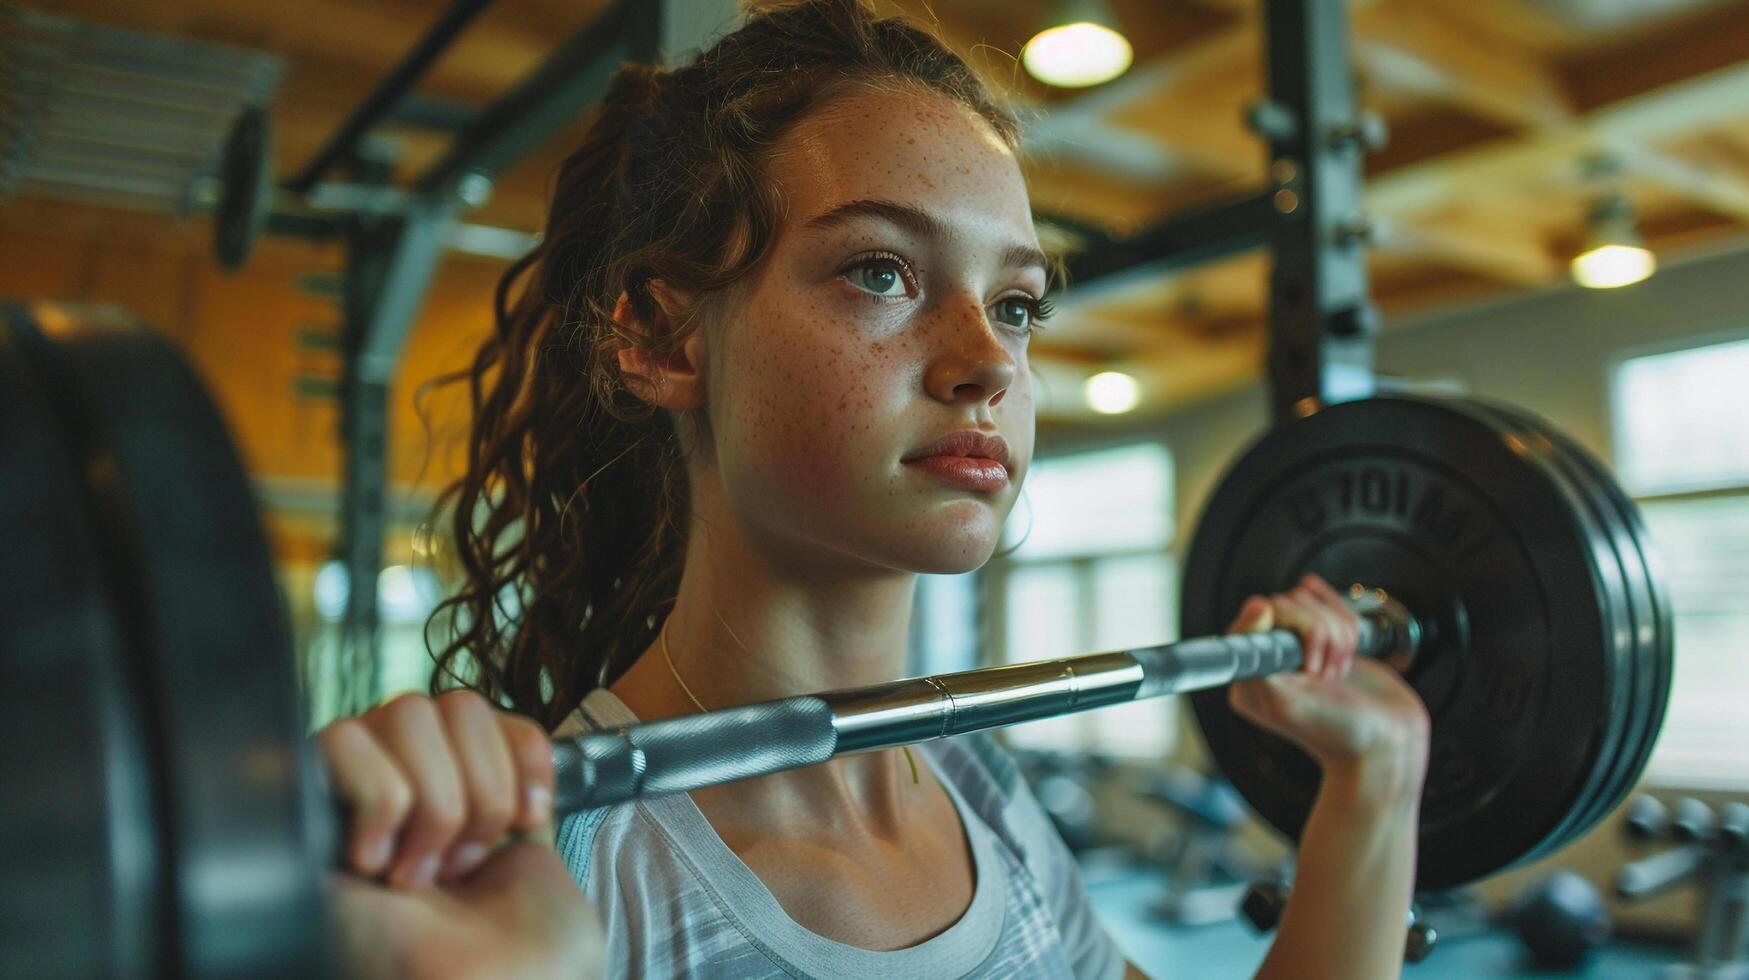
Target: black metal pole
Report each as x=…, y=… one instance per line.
x=364, y=412
x=573, y=77
x=388, y=93
x=1185, y=238
x=1321, y=321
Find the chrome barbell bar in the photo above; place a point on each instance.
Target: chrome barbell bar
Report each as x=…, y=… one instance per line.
x=676, y=755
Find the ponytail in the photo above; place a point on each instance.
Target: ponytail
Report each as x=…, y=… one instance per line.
x=564, y=519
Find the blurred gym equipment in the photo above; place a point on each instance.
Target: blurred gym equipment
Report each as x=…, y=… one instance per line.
x=1204, y=878
x=1558, y=918
x=1712, y=850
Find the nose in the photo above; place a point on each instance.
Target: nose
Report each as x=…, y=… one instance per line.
x=971, y=365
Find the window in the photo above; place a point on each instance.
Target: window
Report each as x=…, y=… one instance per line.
x=1090, y=570
x=1682, y=449
x=944, y=624
x=406, y=595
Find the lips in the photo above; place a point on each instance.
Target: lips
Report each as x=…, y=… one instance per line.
x=968, y=458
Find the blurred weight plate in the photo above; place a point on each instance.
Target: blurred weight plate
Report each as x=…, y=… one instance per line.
x=1428, y=500
x=80, y=834
x=1654, y=619
x=1628, y=602
x=188, y=579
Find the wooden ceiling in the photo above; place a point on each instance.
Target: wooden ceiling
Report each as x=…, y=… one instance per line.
x=1494, y=108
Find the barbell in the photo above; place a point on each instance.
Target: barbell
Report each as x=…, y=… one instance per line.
x=165, y=816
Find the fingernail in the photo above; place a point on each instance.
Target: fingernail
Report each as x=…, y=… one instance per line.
x=423, y=873
x=465, y=858
x=374, y=854
x=540, y=801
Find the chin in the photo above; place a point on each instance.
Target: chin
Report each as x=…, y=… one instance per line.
x=946, y=564
x=947, y=549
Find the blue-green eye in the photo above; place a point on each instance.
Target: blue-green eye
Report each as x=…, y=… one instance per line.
x=1022, y=312
x=882, y=277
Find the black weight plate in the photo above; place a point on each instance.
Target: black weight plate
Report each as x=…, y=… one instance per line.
x=246, y=187
x=1661, y=657
x=80, y=834
x=1429, y=502
x=1655, y=631
x=1641, y=612
x=175, y=518
x=1628, y=603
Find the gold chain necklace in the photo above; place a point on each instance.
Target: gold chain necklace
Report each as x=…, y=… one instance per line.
x=669, y=659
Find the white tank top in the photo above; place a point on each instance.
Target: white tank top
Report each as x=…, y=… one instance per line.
x=675, y=901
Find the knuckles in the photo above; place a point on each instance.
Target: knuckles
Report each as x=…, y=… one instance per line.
x=393, y=802
x=334, y=738
x=529, y=744
x=490, y=814
x=442, y=817
x=407, y=711
x=460, y=703
x=394, y=797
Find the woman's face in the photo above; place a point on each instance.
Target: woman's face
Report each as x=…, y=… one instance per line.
x=894, y=310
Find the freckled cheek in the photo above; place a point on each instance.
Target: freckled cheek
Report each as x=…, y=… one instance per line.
x=821, y=436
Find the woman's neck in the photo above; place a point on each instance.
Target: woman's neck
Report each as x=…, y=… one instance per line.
x=746, y=628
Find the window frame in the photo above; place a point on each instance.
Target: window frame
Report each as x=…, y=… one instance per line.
x=1615, y=431
x=1615, y=419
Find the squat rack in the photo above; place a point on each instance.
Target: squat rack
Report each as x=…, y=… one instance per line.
x=1321, y=321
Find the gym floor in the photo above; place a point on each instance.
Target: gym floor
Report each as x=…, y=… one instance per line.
x=1124, y=892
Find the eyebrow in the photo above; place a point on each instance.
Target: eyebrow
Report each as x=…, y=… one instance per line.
x=920, y=223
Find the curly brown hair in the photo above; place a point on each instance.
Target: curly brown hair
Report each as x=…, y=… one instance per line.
x=570, y=520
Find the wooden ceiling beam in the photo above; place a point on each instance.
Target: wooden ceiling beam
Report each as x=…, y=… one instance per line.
x=1713, y=189
x=1238, y=8
x=1101, y=128
x=1555, y=153
x=1516, y=260
x=1408, y=48
x=1704, y=38
x=1403, y=45
x=1523, y=23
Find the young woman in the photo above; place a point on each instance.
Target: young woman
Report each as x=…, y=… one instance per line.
x=768, y=364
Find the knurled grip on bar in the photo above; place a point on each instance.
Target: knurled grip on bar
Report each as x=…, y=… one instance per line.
x=691, y=752
x=675, y=755
x=1210, y=661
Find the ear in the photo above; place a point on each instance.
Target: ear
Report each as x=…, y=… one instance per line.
x=675, y=383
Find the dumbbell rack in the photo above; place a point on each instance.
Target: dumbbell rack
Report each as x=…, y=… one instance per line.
x=1712, y=848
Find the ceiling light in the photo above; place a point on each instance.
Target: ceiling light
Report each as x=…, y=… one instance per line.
x=1079, y=46
x=1614, y=256
x=1112, y=392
